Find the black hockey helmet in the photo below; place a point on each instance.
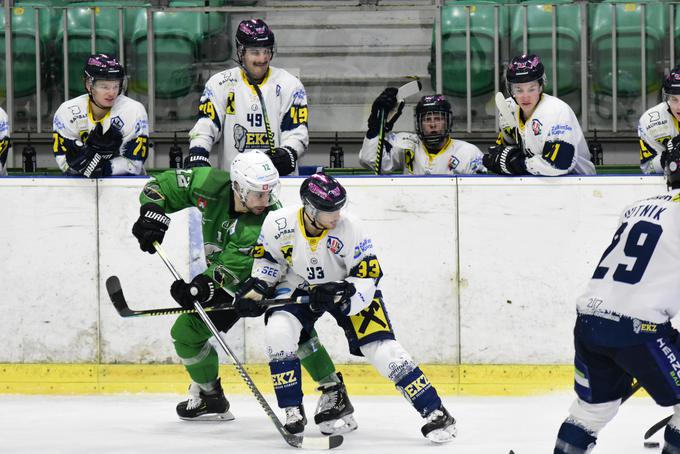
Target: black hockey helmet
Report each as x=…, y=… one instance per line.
x=525, y=68
x=671, y=83
x=104, y=67
x=253, y=33
x=430, y=104
x=321, y=192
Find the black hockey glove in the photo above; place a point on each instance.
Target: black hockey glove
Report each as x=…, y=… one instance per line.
x=672, y=149
x=101, y=143
x=331, y=295
x=385, y=102
x=150, y=226
x=201, y=289
x=284, y=160
x=87, y=162
x=198, y=157
x=505, y=160
x=246, y=301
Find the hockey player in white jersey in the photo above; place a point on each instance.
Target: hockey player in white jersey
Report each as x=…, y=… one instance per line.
x=543, y=135
x=231, y=109
x=4, y=142
x=102, y=132
x=658, y=127
x=318, y=251
x=623, y=327
x=430, y=151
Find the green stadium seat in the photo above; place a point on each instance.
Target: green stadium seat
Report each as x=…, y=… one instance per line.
x=454, y=16
x=539, y=40
x=23, y=43
x=629, y=66
x=177, y=40
x=106, y=34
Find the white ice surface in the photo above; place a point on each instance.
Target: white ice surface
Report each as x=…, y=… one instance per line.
x=146, y=423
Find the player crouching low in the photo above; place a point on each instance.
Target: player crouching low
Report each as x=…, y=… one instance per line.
x=314, y=250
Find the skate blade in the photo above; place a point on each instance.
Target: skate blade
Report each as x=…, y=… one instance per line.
x=339, y=426
x=443, y=435
x=227, y=416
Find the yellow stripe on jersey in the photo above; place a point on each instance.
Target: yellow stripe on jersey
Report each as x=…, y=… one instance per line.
x=313, y=241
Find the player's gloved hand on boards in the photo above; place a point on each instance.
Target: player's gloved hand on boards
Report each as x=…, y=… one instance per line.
x=330, y=296
x=198, y=157
x=201, y=289
x=107, y=143
x=284, y=159
x=87, y=162
x=672, y=149
x=249, y=295
x=385, y=102
x=505, y=160
x=150, y=226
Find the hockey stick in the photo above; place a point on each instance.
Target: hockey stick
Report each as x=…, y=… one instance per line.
x=117, y=297
x=406, y=90
x=506, y=114
x=267, y=127
x=297, y=441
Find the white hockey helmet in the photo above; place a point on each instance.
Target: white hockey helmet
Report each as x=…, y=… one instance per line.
x=254, y=171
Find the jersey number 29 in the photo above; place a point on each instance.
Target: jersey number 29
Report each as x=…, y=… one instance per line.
x=642, y=239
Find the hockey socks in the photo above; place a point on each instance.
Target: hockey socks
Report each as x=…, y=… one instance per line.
x=671, y=440
x=419, y=391
x=316, y=361
x=287, y=380
x=573, y=439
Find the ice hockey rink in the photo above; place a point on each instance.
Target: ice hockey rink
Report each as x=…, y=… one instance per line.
x=146, y=423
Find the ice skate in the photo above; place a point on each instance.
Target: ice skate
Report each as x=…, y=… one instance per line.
x=440, y=426
x=295, y=419
x=205, y=407
x=334, y=411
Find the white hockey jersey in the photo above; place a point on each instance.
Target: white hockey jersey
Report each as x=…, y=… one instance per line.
x=552, y=139
x=4, y=142
x=635, y=286
x=229, y=108
x=286, y=256
x=656, y=127
x=73, y=121
x=405, y=151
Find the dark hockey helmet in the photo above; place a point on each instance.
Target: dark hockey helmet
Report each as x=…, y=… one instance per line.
x=433, y=105
x=253, y=33
x=104, y=67
x=671, y=84
x=321, y=192
x=525, y=68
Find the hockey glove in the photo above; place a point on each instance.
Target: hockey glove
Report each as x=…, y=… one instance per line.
x=672, y=151
x=198, y=157
x=87, y=162
x=330, y=296
x=385, y=102
x=249, y=295
x=508, y=160
x=201, y=289
x=284, y=159
x=150, y=226
x=101, y=143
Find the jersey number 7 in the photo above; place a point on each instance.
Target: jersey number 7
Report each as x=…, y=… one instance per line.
x=642, y=239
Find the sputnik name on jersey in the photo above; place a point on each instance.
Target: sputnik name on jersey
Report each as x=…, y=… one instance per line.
x=286, y=254
x=613, y=300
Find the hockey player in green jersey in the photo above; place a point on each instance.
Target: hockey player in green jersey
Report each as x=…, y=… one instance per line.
x=233, y=205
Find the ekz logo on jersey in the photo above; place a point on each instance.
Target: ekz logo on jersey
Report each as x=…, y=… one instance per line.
x=334, y=244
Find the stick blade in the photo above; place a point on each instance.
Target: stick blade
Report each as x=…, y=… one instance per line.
x=656, y=427
x=115, y=291
x=321, y=442
x=409, y=89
